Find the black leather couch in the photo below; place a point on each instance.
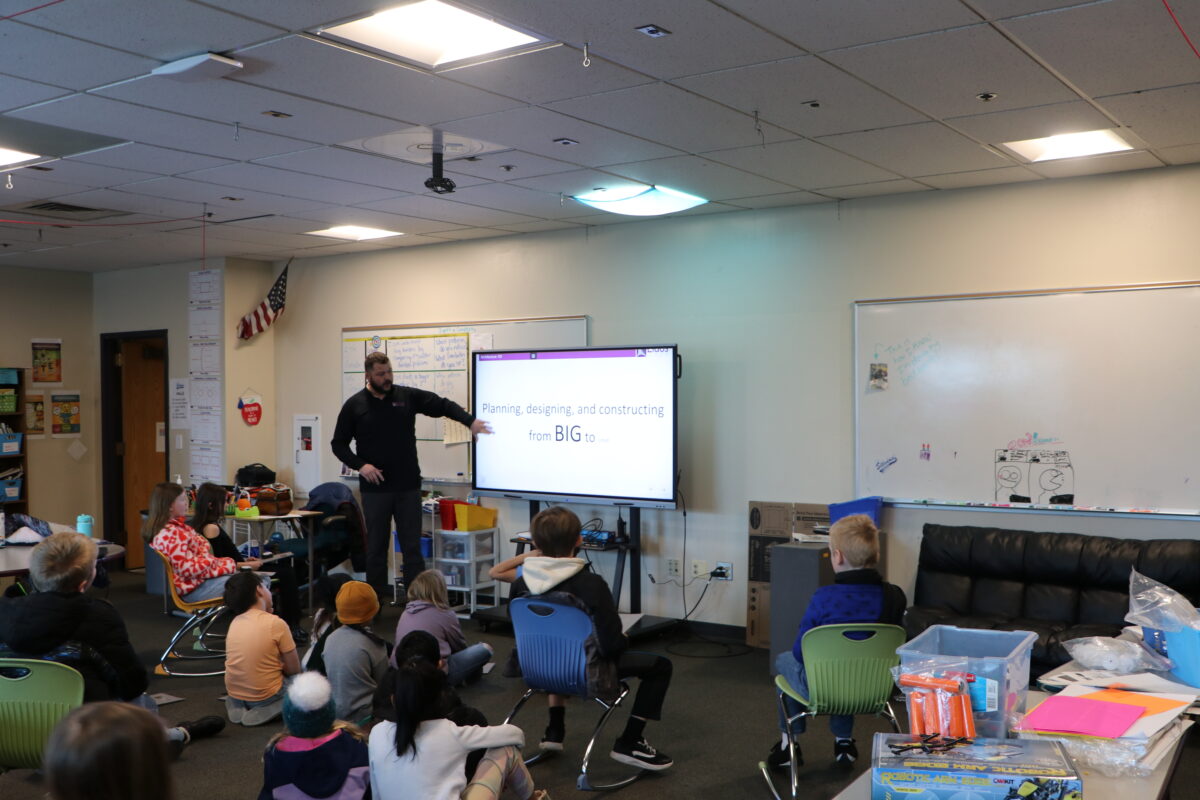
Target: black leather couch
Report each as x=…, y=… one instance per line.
x=1061, y=586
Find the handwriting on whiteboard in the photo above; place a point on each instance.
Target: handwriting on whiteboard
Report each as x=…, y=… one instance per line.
x=911, y=357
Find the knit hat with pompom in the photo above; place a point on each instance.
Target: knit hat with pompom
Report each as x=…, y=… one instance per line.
x=308, y=710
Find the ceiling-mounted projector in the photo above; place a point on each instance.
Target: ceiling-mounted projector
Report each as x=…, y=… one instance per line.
x=437, y=183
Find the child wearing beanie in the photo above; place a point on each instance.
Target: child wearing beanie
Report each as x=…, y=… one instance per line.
x=319, y=756
x=355, y=658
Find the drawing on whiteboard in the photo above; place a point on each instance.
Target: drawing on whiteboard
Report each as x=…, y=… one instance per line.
x=882, y=466
x=879, y=377
x=1032, y=440
x=1034, y=476
x=925, y=453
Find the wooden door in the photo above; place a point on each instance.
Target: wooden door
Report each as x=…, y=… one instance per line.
x=143, y=388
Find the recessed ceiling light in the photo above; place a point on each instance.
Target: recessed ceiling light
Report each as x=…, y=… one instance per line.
x=653, y=31
x=233, y=199
x=276, y=114
x=1069, y=145
x=14, y=156
x=431, y=33
x=354, y=233
x=640, y=201
x=564, y=141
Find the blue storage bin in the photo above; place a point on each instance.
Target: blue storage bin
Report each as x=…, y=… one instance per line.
x=10, y=444
x=871, y=506
x=9, y=376
x=426, y=545
x=1183, y=647
x=998, y=662
x=11, y=489
x=1155, y=639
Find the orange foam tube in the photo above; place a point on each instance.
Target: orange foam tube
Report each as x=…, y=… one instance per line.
x=929, y=682
x=916, y=713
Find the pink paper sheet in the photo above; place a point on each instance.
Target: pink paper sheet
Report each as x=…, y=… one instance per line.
x=1082, y=716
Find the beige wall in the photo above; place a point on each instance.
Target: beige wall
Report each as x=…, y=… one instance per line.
x=249, y=367
x=760, y=304
x=51, y=304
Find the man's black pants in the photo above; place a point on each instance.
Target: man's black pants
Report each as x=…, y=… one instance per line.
x=380, y=509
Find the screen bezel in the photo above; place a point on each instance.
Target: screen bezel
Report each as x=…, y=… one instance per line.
x=565, y=497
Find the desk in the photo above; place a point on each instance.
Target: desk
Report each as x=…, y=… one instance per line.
x=297, y=521
x=14, y=558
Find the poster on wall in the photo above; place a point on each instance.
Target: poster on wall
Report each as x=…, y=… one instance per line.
x=47, y=362
x=65, y=415
x=35, y=415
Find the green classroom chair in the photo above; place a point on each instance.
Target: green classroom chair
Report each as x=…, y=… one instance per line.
x=845, y=676
x=34, y=696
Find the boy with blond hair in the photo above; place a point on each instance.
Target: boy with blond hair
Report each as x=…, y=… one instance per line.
x=858, y=594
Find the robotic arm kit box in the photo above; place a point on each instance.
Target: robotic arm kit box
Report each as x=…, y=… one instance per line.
x=986, y=769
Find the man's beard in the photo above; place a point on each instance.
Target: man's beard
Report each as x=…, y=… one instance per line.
x=381, y=387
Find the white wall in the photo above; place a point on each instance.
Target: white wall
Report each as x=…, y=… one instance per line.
x=760, y=304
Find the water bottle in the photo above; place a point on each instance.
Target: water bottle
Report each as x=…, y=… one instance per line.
x=83, y=524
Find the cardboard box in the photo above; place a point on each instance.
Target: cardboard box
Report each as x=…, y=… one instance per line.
x=758, y=567
x=806, y=517
x=758, y=614
x=988, y=769
x=771, y=519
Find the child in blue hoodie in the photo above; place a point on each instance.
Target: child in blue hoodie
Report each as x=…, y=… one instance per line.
x=556, y=534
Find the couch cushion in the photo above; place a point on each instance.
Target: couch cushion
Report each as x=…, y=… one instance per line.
x=1175, y=563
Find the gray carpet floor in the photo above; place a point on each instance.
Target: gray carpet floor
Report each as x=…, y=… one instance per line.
x=718, y=723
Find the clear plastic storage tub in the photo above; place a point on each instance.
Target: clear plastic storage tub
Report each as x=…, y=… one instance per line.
x=995, y=664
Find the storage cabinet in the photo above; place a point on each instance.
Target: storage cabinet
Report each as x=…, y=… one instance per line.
x=14, y=488
x=465, y=557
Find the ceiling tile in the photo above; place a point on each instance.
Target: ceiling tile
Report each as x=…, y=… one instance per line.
x=436, y=208
x=782, y=91
x=537, y=128
x=803, y=163
x=1032, y=123
x=823, y=26
x=999, y=9
x=371, y=218
x=17, y=92
x=293, y=184
x=332, y=74
x=296, y=15
x=987, y=177
x=200, y=193
x=779, y=200
x=141, y=204
x=352, y=165
x=517, y=199
x=547, y=75
x=163, y=30
x=148, y=158
x=543, y=225
x=465, y=234
x=1163, y=117
x=664, y=113
x=75, y=65
x=1188, y=154
x=703, y=37
x=699, y=176
x=1095, y=165
x=161, y=128
x=915, y=150
x=231, y=101
x=874, y=189
x=81, y=173
x=491, y=166
x=917, y=71
x=576, y=182
x=1109, y=48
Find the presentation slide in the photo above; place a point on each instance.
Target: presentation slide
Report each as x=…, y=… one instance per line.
x=596, y=423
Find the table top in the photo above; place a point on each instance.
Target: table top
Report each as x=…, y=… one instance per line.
x=14, y=558
x=297, y=514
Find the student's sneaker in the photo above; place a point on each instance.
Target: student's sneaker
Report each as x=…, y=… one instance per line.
x=203, y=728
x=640, y=754
x=779, y=758
x=845, y=752
x=552, y=741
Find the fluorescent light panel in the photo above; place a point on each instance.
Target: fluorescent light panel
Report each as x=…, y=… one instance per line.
x=354, y=233
x=431, y=33
x=1069, y=145
x=14, y=156
x=640, y=201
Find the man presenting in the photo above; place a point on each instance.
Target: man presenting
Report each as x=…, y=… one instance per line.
x=381, y=421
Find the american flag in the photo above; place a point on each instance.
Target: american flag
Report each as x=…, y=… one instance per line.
x=267, y=311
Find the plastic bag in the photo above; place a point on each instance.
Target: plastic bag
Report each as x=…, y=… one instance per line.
x=1155, y=605
x=938, y=698
x=1118, y=655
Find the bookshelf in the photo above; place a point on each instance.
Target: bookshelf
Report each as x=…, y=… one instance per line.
x=14, y=489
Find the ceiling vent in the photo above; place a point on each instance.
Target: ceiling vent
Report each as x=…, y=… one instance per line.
x=66, y=211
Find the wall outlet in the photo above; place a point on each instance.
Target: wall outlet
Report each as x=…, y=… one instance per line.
x=699, y=568
x=673, y=568
x=728, y=567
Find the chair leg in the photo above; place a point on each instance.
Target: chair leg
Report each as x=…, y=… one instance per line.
x=890, y=715
x=762, y=768
x=193, y=621
x=205, y=632
x=539, y=756
x=792, y=759
x=583, y=783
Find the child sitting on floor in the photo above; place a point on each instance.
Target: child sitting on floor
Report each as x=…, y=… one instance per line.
x=355, y=658
x=428, y=609
x=259, y=653
x=422, y=754
x=319, y=756
x=858, y=594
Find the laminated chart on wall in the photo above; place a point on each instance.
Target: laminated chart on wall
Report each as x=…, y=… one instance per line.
x=204, y=389
x=437, y=358
x=1081, y=397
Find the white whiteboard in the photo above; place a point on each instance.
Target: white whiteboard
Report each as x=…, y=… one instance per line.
x=1087, y=398
x=437, y=358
